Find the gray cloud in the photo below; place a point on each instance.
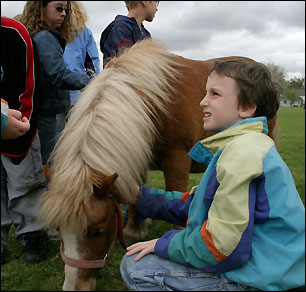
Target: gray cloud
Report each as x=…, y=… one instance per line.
x=267, y=31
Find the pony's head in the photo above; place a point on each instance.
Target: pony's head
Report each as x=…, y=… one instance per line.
x=95, y=246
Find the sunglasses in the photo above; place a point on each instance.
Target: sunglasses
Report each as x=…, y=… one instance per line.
x=61, y=9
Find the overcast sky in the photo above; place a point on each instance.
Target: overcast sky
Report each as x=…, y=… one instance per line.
x=266, y=31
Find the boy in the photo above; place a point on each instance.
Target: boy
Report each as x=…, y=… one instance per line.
x=245, y=227
x=125, y=31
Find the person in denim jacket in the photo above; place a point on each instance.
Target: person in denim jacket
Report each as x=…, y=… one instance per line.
x=245, y=221
x=50, y=31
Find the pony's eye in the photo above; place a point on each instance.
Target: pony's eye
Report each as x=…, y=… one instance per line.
x=95, y=233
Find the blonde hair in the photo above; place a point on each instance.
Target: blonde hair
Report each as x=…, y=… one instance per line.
x=17, y=17
x=33, y=19
x=78, y=18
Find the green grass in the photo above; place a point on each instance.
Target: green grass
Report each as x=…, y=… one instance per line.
x=16, y=275
x=292, y=144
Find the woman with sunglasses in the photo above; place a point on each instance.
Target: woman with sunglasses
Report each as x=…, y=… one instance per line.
x=51, y=26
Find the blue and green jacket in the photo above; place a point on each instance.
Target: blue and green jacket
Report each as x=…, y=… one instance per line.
x=245, y=219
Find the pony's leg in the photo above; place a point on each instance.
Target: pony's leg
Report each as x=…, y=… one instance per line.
x=176, y=167
x=133, y=233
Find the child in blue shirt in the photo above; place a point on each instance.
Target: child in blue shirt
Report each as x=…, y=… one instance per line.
x=245, y=222
x=125, y=31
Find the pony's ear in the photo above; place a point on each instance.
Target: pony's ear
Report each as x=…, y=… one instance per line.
x=47, y=172
x=105, y=186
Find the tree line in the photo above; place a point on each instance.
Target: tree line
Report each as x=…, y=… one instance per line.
x=289, y=86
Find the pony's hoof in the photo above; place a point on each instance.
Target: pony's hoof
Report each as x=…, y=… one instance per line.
x=133, y=235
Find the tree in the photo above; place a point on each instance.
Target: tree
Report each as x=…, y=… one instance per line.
x=296, y=82
x=291, y=95
x=278, y=73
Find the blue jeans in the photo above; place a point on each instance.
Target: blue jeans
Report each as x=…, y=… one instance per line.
x=47, y=135
x=49, y=130
x=60, y=123
x=152, y=273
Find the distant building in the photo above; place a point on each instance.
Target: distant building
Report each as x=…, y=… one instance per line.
x=301, y=92
x=289, y=103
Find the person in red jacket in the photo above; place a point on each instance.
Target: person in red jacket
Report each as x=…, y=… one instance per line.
x=22, y=177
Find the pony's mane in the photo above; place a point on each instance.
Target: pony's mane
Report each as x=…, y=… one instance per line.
x=110, y=129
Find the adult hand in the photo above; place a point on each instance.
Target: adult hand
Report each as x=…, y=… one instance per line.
x=91, y=73
x=143, y=248
x=16, y=125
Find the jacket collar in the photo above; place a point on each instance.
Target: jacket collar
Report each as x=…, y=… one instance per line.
x=60, y=38
x=219, y=140
x=204, y=150
x=131, y=20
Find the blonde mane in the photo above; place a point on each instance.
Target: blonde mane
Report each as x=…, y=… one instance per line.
x=110, y=129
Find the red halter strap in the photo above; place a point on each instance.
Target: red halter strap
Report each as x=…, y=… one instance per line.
x=97, y=264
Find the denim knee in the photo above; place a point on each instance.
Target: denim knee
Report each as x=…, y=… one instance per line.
x=135, y=275
x=124, y=270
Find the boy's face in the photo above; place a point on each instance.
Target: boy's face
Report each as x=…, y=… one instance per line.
x=151, y=8
x=220, y=105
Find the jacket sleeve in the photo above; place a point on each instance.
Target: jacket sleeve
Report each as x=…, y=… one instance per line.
x=52, y=61
x=93, y=51
x=158, y=204
x=4, y=113
x=223, y=240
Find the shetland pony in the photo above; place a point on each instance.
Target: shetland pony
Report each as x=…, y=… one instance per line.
x=143, y=109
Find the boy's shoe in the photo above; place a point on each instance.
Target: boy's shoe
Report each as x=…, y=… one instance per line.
x=36, y=246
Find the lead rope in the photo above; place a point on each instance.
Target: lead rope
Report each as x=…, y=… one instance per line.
x=120, y=224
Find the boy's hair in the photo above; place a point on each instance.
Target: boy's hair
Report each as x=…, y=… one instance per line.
x=132, y=4
x=255, y=84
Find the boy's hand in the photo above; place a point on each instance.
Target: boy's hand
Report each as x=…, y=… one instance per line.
x=16, y=125
x=110, y=63
x=143, y=248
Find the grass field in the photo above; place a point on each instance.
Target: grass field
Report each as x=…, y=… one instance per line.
x=292, y=144
x=16, y=275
